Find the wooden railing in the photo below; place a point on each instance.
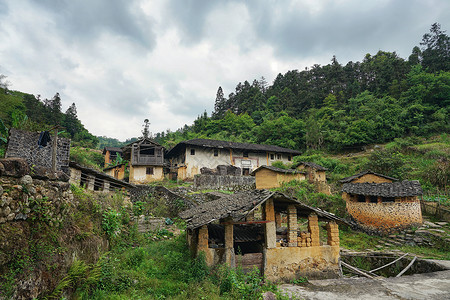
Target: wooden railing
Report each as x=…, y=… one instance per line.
x=147, y=160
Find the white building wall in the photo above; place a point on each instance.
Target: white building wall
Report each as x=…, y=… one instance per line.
x=204, y=157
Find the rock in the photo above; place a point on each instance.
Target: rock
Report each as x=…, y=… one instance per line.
x=437, y=230
x=1, y=189
x=6, y=211
x=439, y=223
x=2, y=220
x=14, y=167
x=10, y=217
x=21, y=216
x=269, y=296
x=431, y=224
x=26, y=180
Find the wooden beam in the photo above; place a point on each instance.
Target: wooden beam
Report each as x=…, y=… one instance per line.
x=407, y=267
x=249, y=222
x=394, y=261
x=356, y=270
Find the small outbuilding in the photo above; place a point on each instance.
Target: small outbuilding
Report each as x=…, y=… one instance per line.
x=316, y=173
x=381, y=205
x=245, y=229
x=268, y=177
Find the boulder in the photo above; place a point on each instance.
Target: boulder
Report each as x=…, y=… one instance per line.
x=14, y=167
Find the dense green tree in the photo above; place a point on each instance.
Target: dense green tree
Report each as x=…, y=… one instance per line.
x=436, y=49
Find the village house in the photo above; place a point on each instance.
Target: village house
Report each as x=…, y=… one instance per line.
x=111, y=154
x=94, y=180
x=316, y=175
x=381, y=203
x=268, y=177
x=245, y=229
x=146, y=161
x=116, y=171
x=188, y=157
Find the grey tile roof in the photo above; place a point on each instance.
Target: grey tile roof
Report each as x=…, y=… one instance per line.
x=388, y=189
x=112, y=149
x=232, y=145
x=239, y=204
x=350, y=178
x=278, y=170
x=312, y=165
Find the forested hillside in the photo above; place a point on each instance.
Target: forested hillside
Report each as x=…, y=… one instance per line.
x=26, y=111
x=337, y=107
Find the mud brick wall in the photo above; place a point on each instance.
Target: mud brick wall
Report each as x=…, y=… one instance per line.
x=24, y=144
x=224, y=182
x=385, y=216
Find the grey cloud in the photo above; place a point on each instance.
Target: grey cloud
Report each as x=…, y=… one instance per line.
x=85, y=20
x=190, y=16
x=344, y=28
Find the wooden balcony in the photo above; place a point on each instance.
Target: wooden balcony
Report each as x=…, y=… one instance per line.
x=147, y=160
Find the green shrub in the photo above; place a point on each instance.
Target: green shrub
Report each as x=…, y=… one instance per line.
x=111, y=222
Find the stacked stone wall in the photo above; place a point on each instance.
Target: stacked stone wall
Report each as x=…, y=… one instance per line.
x=24, y=144
x=20, y=197
x=224, y=182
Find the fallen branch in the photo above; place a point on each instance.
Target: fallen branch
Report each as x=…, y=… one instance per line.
x=356, y=270
x=392, y=262
x=407, y=267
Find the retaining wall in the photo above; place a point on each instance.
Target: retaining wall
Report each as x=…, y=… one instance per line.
x=224, y=182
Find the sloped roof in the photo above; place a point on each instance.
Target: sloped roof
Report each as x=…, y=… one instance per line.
x=141, y=141
x=232, y=145
x=238, y=205
x=312, y=165
x=278, y=170
x=387, y=189
x=112, y=149
x=101, y=175
x=350, y=178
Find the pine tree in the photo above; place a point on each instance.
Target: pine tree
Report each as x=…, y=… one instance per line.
x=219, y=105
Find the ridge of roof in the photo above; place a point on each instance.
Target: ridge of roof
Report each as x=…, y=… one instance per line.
x=279, y=170
x=233, y=145
x=312, y=165
x=238, y=205
x=350, y=178
x=403, y=188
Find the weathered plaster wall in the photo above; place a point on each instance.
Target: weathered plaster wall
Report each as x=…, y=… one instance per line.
x=138, y=174
x=385, y=216
x=371, y=178
x=204, y=157
x=288, y=263
x=117, y=172
x=75, y=176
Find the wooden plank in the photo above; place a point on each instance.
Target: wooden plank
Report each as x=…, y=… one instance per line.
x=356, y=270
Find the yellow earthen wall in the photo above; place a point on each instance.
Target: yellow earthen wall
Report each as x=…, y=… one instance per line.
x=265, y=179
x=288, y=263
x=370, y=178
x=138, y=174
x=385, y=215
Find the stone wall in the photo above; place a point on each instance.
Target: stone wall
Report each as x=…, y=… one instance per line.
x=385, y=216
x=222, y=182
x=19, y=196
x=24, y=144
x=435, y=209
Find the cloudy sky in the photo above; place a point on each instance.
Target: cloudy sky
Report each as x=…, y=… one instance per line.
x=122, y=61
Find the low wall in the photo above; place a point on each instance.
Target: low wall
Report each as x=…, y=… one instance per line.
x=435, y=209
x=385, y=216
x=224, y=182
x=288, y=263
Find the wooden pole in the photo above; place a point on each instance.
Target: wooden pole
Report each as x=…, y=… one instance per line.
x=55, y=145
x=407, y=267
x=394, y=261
x=356, y=270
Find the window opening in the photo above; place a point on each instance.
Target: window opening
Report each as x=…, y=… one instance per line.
x=245, y=154
x=389, y=199
x=361, y=198
x=272, y=156
x=278, y=156
x=373, y=199
x=289, y=158
x=192, y=151
x=245, y=171
x=216, y=152
x=149, y=171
